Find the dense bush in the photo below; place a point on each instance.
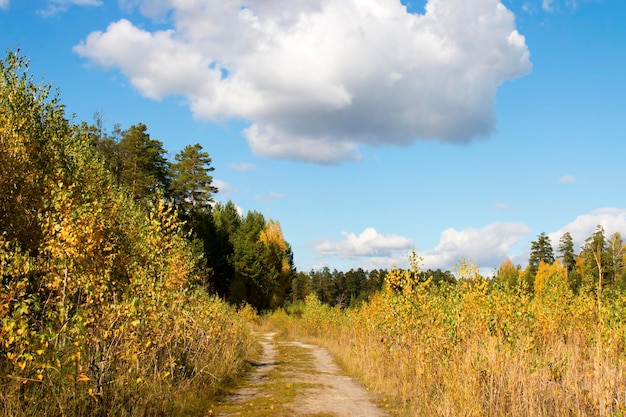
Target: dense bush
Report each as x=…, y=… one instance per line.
x=100, y=310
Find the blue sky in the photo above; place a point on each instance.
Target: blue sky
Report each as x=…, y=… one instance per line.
x=365, y=127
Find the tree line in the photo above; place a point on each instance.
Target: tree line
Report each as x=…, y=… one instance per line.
x=349, y=288
x=599, y=265
x=245, y=257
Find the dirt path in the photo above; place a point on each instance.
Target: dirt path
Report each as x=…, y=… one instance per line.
x=296, y=379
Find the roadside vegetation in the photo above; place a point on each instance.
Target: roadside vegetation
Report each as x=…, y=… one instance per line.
x=479, y=347
x=106, y=298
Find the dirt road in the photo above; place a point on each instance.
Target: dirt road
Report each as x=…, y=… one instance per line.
x=296, y=379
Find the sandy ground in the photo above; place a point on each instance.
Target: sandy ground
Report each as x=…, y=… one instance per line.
x=328, y=392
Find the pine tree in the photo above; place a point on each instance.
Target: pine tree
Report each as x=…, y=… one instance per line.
x=616, y=253
x=191, y=185
x=566, y=251
x=568, y=257
x=540, y=251
x=595, y=261
x=143, y=169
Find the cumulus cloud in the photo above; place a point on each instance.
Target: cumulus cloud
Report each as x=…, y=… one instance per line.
x=368, y=244
x=567, y=179
x=611, y=219
x=58, y=6
x=316, y=79
x=486, y=247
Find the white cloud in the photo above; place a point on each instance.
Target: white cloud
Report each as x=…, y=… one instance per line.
x=58, y=6
x=224, y=188
x=567, y=179
x=4, y=4
x=242, y=166
x=368, y=244
x=610, y=218
x=317, y=78
x=486, y=247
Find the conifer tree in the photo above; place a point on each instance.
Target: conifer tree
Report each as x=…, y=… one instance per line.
x=143, y=169
x=191, y=185
x=616, y=253
x=595, y=262
x=566, y=251
x=540, y=251
x=568, y=257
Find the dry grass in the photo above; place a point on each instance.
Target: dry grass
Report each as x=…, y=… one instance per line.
x=475, y=350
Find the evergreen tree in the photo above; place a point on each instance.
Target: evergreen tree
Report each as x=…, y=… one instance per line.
x=540, y=251
x=595, y=262
x=108, y=147
x=300, y=287
x=143, y=168
x=218, y=236
x=354, y=280
x=191, y=185
x=249, y=282
x=323, y=285
x=437, y=276
x=616, y=253
x=568, y=257
x=566, y=252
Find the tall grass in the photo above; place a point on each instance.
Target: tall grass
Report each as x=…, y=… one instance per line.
x=476, y=349
x=148, y=364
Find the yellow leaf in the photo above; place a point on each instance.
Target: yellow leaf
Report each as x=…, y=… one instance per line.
x=83, y=378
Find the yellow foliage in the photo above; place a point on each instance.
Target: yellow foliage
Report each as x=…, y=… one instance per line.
x=98, y=304
x=474, y=348
x=273, y=235
x=551, y=277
